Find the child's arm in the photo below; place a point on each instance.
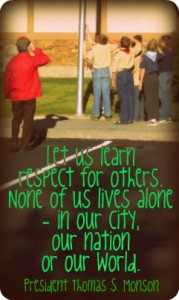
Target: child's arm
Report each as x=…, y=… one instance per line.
x=160, y=50
x=88, y=43
x=134, y=40
x=113, y=43
x=138, y=46
x=89, y=37
x=89, y=64
x=113, y=79
x=89, y=59
x=114, y=68
x=142, y=74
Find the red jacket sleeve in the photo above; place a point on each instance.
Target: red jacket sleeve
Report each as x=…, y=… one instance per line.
x=21, y=76
x=40, y=58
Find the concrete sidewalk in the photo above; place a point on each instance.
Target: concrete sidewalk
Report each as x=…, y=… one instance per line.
x=84, y=128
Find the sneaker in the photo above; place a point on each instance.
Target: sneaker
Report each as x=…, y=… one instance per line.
x=94, y=118
x=152, y=122
x=118, y=122
x=108, y=118
x=165, y=120
x=169, y=120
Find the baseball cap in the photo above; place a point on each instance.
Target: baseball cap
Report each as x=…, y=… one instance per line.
x=22, y=43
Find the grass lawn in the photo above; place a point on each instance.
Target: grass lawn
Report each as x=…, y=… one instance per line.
x=60, y=97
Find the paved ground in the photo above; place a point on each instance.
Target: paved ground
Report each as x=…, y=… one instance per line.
x=83, y=128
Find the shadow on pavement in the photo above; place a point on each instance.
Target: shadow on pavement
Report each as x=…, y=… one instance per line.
x=41, y=126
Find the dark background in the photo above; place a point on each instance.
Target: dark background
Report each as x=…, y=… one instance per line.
x=24, y=239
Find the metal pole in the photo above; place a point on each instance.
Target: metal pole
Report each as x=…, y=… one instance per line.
x=98, y=17
x=81, y=31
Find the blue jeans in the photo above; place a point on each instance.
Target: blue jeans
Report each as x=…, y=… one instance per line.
x=139, y=105
x=126, y=93
x=165, y=94
x=101, y=87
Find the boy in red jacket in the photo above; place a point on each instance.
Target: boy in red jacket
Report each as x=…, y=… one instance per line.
x=22, y=86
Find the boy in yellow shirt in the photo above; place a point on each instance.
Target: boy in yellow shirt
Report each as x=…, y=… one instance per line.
x=99, y=58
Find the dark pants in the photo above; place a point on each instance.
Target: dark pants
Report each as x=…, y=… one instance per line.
x=151, y=95
x=23, y=111
x=126, y=93
x=139, y=105
x=165, y=94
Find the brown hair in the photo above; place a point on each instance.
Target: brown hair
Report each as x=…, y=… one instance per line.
x=138, y=37
x=125, y=42
x=152, y=45
x=102, y=39
x=166, y=39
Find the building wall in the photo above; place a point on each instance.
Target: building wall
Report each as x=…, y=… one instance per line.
x=53, y=26
x=145, y=16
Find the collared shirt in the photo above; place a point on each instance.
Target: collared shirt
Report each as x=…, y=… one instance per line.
x=124, y=60
x=100, y=55
x=150, y=65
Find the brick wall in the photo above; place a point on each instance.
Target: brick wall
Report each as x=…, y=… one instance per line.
x=61, y=52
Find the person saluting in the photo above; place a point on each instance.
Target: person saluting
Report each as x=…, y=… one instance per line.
x=22, y=86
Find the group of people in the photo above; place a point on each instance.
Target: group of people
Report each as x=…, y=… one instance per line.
x=143, y=78
x=133, y=71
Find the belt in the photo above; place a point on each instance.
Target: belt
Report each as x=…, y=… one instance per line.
x=100, y=68
x=155, y=72
x=122, y=70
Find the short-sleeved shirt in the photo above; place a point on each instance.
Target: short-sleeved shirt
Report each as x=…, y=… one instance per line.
x=100, y=55
x=150, y=65
x=125, y=59
x=136, y=72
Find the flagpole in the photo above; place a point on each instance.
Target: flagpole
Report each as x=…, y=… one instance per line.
x=82, y=17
